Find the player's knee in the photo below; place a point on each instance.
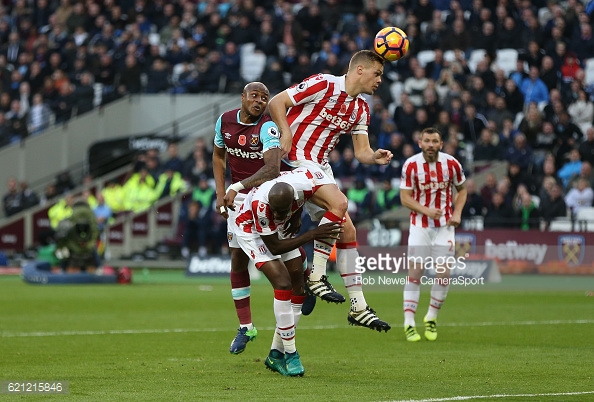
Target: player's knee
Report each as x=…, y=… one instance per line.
x=339, y=205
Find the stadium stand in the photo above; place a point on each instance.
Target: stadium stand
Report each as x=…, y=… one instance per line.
x=46, y=51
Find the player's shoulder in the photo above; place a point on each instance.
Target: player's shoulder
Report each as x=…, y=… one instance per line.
x=229, y=116
x=447, y=158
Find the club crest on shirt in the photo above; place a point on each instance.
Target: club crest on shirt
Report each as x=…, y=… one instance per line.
x=241, y=140
x=262, y=249
x=261, y=207
x=229, y=236
x=254, y=139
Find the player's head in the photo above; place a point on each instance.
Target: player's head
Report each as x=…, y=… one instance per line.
x=430, y=143
x=368, y=67
x=281, y=198
x=254, y=100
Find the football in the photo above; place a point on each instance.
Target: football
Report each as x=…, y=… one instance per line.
x=391, y=43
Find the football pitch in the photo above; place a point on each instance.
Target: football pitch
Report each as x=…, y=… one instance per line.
x=166, y=338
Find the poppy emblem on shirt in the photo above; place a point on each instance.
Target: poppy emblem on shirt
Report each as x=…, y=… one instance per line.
x=343, y=109
x=255, y=139
x=241, y=140
x=433, y=174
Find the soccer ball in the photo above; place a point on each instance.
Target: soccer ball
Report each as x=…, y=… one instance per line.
x=391, y=43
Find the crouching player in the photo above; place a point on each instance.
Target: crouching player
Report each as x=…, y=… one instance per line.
x=260, y=233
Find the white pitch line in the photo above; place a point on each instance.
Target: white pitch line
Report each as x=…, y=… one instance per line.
x=467, y=398
x=312, y=327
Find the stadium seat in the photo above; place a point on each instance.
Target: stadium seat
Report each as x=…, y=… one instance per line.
x=425, y=56
x=396, y=89
x=449, y=56
x=585, y=219
x=252, y=65
x=561, y=225
x=476, y=56
x=506, y=60
x=589, y=71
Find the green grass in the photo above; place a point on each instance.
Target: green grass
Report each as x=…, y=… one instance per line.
x=496, y=339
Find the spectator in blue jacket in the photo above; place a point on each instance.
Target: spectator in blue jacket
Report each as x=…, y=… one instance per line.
x=533, y=88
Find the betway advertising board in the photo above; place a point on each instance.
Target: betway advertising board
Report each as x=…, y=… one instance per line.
x=514, y=251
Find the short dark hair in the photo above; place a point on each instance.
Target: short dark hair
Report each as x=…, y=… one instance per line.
x=431, y=130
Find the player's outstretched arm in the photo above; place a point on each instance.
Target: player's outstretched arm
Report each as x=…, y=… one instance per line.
x=408, y=201
x=219, y=166
x=278, y=107
x=459, y=202
x=368, y=156
x=330, y=230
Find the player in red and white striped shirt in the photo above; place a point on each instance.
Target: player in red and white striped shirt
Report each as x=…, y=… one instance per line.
x=311, y=117
x=426, y=188
x=261, y=234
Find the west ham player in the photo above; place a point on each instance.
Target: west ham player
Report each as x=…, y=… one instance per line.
x=320, y=109
x=426, y=189
x=260, y=231
x=250, y=140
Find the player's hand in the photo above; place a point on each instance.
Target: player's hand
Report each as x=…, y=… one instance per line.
x=330, y=230
x=455, y=221
x=286, y=144
x=382, y=156
x=221, y=210
x=434, y=213
x=293, y=225
x=229, y=199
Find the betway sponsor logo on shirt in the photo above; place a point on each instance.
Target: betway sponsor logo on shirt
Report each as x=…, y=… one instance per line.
x=511, y=250
x=336, y=120
x=244, y=154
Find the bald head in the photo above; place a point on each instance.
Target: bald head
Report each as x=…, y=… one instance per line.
x=281, y=197
x=256, y=86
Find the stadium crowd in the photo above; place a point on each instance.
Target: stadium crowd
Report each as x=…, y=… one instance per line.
x=537, y=116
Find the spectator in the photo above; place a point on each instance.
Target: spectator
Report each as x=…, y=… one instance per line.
x=553, y=205
x=360, y=199
x=585, y=173
x=580, y=196
x=102, y=211
x=387, y=197
x=13, y=199
x=204, y=193
x=17, y=122
x=474, y=201
x=533, y=88
x=528, y=215
x=571, y=168
x=499, y=215
x=582, y=111
x=39, y=116
x=520, y=152
x=487, y=147
x=29, y=198
x=414, y=86
x=473, y=124
x=196, y=228
x=586, y=148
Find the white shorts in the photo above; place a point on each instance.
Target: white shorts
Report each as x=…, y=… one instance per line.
x=255, y=248
x=231, y=226
x=431, y=242
x=316, y=213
